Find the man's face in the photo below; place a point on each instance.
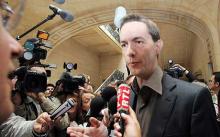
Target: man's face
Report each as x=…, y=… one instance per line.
x=86, y=100
x=212, y=84
x=138, y=48
x=49, y=91
x=8, y=47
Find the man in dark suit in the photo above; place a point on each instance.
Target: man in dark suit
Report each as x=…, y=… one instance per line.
x=164, y=106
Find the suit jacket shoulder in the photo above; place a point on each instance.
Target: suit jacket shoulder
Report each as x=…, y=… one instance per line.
x=183, y=110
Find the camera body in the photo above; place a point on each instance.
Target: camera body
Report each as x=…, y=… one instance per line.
x=35, y=82
x=174, y=71
x=30, y=81
x=70, y=83
x=34, y=51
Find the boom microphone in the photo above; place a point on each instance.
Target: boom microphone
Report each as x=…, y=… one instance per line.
x=63, y=108
x=108, y=92
x=123, y=96
x=120, y=12
x=66, y=16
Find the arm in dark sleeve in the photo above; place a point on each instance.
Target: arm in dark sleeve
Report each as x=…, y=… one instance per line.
x=203, y=119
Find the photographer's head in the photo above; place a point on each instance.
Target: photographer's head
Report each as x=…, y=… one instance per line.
x=141, y=44
x=9, y=48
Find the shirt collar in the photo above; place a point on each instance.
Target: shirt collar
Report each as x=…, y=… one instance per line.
x=155, y=81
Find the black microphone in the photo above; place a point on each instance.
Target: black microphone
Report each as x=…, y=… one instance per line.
x=96, y=105
x=112, y=105
x=108, y=92
x=63, y=108
x=112, y=109
x=59, y=1
x=66, y=16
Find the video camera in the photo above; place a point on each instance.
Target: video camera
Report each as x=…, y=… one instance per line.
x=174, y=71
x=33, y=49
x=30, y=80
x=70, y=83
x=34, y=52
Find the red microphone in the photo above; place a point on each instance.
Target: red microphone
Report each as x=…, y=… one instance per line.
x=123, y=96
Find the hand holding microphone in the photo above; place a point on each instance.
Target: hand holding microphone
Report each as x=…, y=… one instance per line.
x=132, y=127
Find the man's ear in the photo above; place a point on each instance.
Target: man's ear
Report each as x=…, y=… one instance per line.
x=159, y=46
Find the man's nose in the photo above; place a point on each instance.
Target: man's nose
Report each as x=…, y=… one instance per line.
x=16, y=49
x=130, y=50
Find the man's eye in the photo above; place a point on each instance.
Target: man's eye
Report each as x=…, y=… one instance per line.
x=123, y=45
x=139, y=42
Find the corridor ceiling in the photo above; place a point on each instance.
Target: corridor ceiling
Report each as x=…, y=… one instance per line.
x=180, y=23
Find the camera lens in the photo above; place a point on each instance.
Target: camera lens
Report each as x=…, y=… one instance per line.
x=69, y=66
x=28, y=55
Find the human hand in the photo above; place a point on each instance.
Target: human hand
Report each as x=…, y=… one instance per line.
x=43, y=123
x=132, y=127
x=97, y=129
x=179, y=66
x=40, y=96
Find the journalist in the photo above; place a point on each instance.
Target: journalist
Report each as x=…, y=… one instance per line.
x=9, y=48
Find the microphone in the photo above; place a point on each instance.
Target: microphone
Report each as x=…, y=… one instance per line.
x=120, y=12
x=66, y=16
x=112, y=105
x=123, y=96
x=59, y=1
x=63, y=108
x=108, y=92
x=112, y=109
x=96, y=105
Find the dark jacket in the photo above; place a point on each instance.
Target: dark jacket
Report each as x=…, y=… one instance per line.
x=183, y=110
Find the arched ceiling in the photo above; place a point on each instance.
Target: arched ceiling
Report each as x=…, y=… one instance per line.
x=180, y=22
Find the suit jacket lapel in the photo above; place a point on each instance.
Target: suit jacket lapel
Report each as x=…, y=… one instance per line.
x=163, y=108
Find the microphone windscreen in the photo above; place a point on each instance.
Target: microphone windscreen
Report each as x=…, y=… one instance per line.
x=108, y=92
x=59, y=1
x=112, y=105
x=120, y=12
x=66, y=16
x=97, y=104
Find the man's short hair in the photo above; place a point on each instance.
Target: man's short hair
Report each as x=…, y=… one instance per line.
x=152, y=27
x=50, y=85
x=217, y=76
